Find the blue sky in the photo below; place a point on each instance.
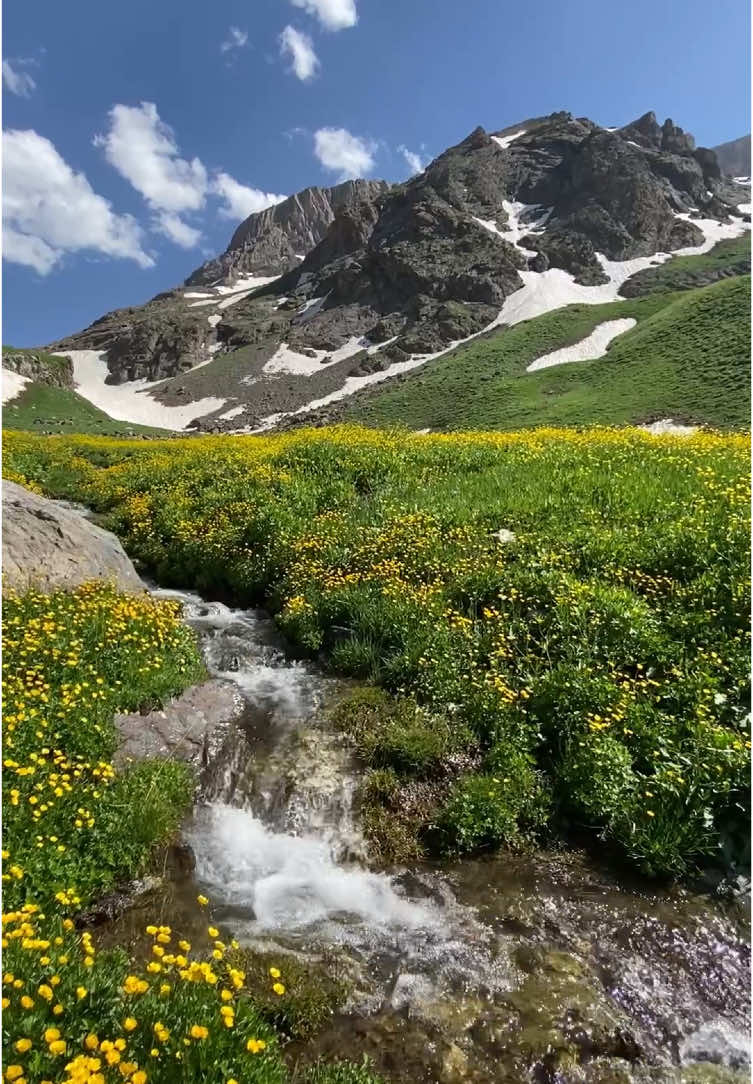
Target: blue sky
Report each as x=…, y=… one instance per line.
x=106, y=206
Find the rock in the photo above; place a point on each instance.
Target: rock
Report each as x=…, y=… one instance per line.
x=182, y=729
x=539, y=262
x=734, y=157
x=269, y=242
x=48, y=546
x=504, y=535
x=39, y=366
x=454, y=1065
x=116, y=903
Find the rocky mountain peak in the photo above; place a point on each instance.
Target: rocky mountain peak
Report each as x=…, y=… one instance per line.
x=274, y=240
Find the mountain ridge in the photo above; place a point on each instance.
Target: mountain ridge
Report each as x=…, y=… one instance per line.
x=496, y=228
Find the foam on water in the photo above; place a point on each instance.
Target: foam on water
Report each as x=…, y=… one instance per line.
x=290, y=882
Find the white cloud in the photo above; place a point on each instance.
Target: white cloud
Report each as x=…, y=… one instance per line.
x=240, y=201
x=175, y=229
x=299, y=48
x=236, y=39
x=414, y=161
x=49, y=210
x=142, y=148
x=332, y=14
x=18, y=82
x=29, y=251
x=341, y=152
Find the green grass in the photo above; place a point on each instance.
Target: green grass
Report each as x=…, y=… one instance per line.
x=687, y=359
x=43, y=408
x=725, y=259
x=589, y=673
x=70, y=660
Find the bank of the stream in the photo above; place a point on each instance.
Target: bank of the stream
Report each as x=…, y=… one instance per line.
x=529, y=967
x=560, y=616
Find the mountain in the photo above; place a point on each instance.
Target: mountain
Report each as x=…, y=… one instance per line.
x=501, y=228
x=734, y=157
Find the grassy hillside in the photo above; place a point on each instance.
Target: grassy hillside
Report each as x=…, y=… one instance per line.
x=687, y=359
x=43, y=408
x=561, y=617
x=724, y=260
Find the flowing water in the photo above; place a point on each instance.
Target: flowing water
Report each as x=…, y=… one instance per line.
x=512, y=968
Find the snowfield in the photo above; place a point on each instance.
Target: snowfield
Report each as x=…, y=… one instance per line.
x=667, y=425
x=13, y=384
x=285, y=360
x=131, y=402
x=589, y=349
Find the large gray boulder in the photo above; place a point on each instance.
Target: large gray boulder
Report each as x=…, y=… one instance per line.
x=46, y=546
x=189, y=727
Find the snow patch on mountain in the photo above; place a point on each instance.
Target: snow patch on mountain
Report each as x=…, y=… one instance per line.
x=589, y=349
x=132, y=402
x=285, y=360
x=233, y=412
x=13, y=384
x=666, y=426
x=505, y=141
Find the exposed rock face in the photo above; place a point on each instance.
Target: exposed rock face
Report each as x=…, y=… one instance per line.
x=184, y=729
x=421, y=247
x=47, y=546
x=150, y=342
x=40, y=367
x=274, y=240
x=734, y=157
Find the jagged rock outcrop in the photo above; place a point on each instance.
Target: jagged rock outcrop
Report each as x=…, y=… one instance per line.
x=152, y=342
x=46, y=545
x=275, y=240
x=440, y=239
x=734, y=157
x=40, y=367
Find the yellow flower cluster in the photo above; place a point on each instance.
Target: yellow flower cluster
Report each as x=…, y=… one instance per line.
x=157, y=1023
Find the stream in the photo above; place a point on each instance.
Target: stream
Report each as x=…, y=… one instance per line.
x=539, y=967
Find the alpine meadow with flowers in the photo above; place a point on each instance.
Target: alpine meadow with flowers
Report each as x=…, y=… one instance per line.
x=550, y=629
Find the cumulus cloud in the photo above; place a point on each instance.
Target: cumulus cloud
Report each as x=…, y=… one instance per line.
x=240, y=201
x=143, y=149
x=414, y=161
x=18, y=82
x=49, y=210
x=332, y=14
x=176, y=230
x=343, y=153
x=236, y=39
x=298, y=48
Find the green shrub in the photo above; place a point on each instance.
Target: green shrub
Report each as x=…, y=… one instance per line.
x=485, y=811
x=595, y=780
